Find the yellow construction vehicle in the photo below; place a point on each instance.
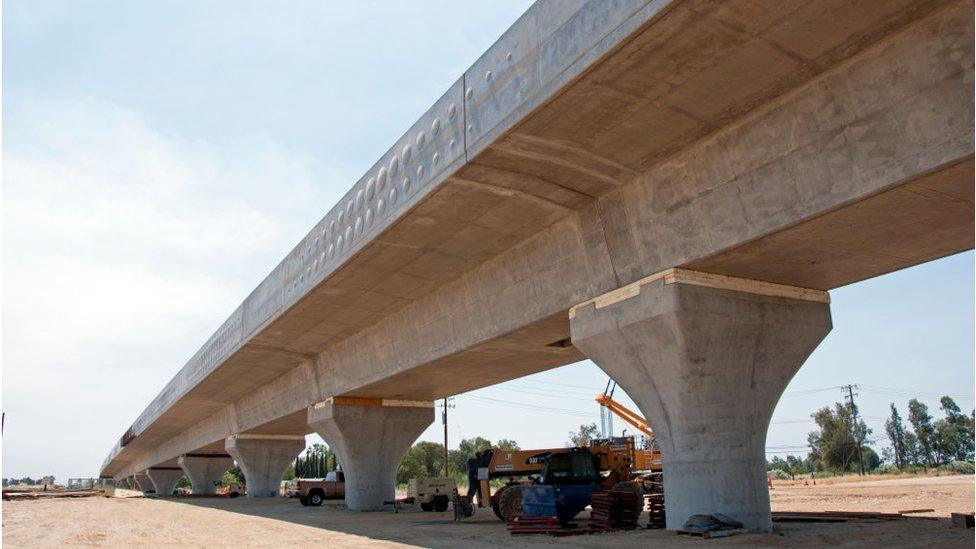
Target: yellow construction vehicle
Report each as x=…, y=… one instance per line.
x=613, y=463
x=603, y=465
x=647, y=459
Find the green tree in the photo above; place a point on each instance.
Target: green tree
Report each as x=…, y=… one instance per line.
x=289, y=472
x=183, y=482
x=232, y=476
x=895, y=429
x=870, y=457
x=318, y=460
x=918, y=416
x=955, y=432
x=913, y=453
x=467, y=448
x=834, y=445
x=423, y=460
x=507, y=445
x=583, y=437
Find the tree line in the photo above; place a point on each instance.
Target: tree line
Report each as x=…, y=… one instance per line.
x=924, y=442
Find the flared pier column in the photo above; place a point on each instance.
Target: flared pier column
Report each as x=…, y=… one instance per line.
x=263, y=460
x=142, y=482
x=370, y=436
x=164, y=479
x=205, y=471
x=706, y=358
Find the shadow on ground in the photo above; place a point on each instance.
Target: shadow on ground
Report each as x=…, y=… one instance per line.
x=415, y=527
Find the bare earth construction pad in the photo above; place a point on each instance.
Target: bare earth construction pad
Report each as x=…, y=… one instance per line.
x=283, y=522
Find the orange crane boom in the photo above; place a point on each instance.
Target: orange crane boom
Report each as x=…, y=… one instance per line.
x=625, y=413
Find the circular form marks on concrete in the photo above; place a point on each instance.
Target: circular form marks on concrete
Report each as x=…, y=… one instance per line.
x=349, y=233
x=488, y=76
x=451, y=111
x=381, y=178
x=339, y=242
x=359, y=199
x=469, y=94
x=341, y=219
x=453, y=143
x=435, y=126
x=380, y=206
x=470, y=128
x=368, y=218
x=369, y=189
x=420, y=173
x=349, y=209
x=405, y=186
x=332, y=250
x=508, y=56
x=393, y=192
x=436, y=158
x=359, y=226
x=406, y=153
x=394, y=165
x=421, y=140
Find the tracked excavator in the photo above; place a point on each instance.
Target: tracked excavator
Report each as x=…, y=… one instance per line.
x=562, y=480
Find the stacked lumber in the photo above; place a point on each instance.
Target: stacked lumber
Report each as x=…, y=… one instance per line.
x=655, y=508
x=614, y=510
x=844, y=516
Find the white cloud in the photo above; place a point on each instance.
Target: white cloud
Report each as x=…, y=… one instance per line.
x=123, y=250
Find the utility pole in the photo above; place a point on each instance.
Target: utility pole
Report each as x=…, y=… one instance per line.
x=444, y=420
x=857, y=430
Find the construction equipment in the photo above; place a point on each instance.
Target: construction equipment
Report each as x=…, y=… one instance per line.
x=647, y=459
x=566, y=476
x=433, y=494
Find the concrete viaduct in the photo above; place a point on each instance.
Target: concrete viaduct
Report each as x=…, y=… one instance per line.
x=669, y=188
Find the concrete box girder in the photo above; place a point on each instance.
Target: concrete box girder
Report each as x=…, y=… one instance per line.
x=543, y=205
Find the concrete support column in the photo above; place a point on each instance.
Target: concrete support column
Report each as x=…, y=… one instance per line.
x=164, y=479
x=205, y=471
x=370, y=436
x=706, y=358
x=263, y=459
x=143, y=483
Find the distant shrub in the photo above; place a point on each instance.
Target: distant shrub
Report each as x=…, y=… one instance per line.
x=780, y=474
x=962, y=468
x=824, y=474
x=887, y=469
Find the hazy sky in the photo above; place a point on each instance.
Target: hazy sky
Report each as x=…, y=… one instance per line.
x=161, y=157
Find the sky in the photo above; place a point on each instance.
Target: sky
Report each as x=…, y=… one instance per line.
x=159, y=158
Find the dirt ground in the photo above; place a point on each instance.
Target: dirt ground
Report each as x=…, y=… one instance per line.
x=199, y=522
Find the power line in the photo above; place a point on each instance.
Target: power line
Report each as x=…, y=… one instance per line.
x=533, y=406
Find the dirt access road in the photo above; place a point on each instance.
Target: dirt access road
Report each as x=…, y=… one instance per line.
x=274, y=523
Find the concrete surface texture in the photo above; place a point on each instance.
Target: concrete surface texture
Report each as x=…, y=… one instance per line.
x=143, y=482
x=263, y=462
x=164, y=479
x=706, y=366
x=370, y=440
x=205, y=471
x=810, y=144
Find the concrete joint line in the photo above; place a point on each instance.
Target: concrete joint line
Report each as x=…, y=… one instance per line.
x=365, y=401
x=697, y=278
x=245, y=436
